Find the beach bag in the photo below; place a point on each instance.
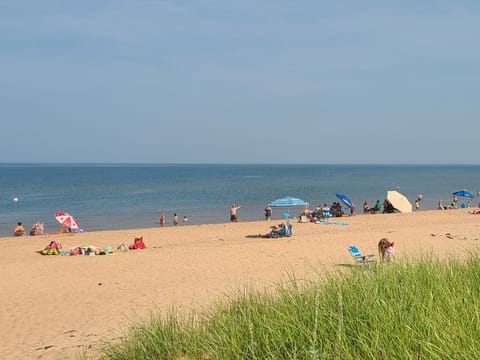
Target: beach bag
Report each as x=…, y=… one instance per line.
x=289, y=231
x=122, y=247
x=137, y=244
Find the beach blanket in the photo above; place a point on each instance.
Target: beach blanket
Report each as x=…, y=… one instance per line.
x=88, y=250
x=59, y=233
x=332, y=223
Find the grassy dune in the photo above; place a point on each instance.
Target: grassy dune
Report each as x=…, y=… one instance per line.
x=428, y=309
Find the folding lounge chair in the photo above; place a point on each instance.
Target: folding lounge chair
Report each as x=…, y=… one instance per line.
x=326, y=214
x=359, y=258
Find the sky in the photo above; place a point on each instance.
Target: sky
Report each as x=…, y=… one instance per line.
x=240, y=81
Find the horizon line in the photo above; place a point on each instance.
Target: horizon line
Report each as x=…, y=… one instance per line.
x=233, y=164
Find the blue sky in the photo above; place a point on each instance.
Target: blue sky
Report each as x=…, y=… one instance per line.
x=240, y=81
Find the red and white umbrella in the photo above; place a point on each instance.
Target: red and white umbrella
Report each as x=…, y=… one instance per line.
x=67, y=220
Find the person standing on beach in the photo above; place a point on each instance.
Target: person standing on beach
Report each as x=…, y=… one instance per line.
x=353, y=211
x=268, y=213
x=386, y=249
x=233, y=212
x=185, y=219
x=162, y=219
x=175, y=219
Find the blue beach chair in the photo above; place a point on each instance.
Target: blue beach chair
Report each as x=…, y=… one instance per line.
x=359, y=257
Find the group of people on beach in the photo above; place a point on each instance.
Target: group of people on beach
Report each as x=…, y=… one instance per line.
x=175, y=219
x=37, y=229
x=454, y=204
x=387, y=207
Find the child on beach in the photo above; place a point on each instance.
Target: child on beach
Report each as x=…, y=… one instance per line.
x=184, y=221
x=386, y=251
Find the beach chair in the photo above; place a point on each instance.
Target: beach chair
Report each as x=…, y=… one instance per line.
x=326, y=214
x=285, y=231
x=359, y=257
x=304, y=219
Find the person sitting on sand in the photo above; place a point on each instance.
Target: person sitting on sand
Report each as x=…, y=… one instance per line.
x=366, y=208
x=52, y=249
x=376, y=208
x=388, y=208
x=37, y=229
x=306, y=211
x=336, y=209
x=275, y=232
x=19, y=230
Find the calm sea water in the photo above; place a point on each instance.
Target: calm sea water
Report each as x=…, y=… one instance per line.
x=132, y=196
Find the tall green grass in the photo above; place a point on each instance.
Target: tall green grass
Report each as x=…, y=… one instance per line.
x=427, y=309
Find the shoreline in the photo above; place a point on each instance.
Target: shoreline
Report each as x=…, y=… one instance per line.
x=57, y=306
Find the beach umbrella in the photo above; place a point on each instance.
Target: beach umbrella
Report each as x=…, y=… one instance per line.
x=345, y=200
x=67, y=220
x=287, y=202
x=464, y=193
x=399, y=201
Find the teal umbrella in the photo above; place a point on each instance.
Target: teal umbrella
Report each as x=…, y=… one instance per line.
x=287, y=202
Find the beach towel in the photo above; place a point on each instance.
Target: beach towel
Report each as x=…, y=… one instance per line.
x=332, y=223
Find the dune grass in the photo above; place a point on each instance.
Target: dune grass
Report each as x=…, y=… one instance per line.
x=427, y=309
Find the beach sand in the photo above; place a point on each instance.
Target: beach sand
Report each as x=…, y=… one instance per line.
x=56, y=307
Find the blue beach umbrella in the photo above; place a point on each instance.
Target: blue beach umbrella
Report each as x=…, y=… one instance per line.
x=345, y=200
x=287, y=202
x=464, y=193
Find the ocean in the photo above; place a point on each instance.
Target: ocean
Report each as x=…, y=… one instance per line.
x=121, y=196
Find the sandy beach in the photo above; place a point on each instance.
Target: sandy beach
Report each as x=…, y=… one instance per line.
x=56, y=307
